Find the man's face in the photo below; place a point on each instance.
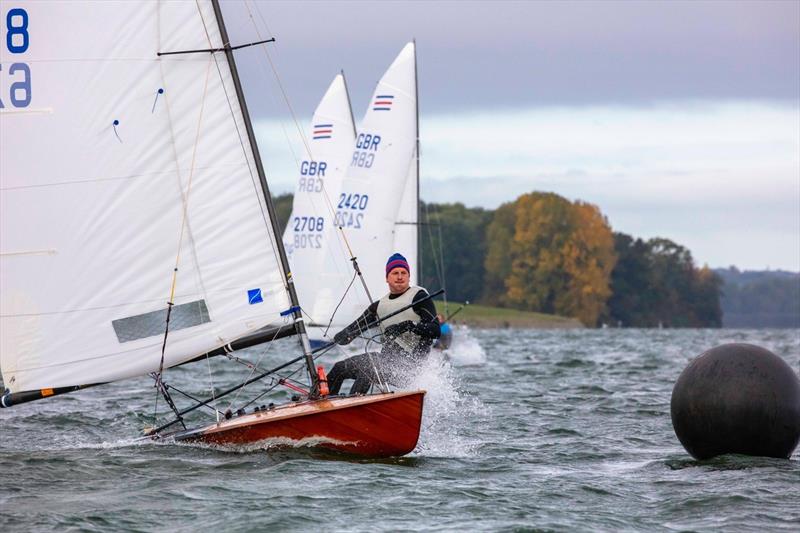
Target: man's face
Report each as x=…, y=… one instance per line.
x=397, y=280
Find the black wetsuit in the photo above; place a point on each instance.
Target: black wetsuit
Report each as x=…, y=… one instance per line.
x=393, y=363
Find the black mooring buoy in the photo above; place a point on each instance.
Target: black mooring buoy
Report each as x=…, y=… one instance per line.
x=737, y=398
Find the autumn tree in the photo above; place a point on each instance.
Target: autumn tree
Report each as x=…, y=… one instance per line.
x=497, y=264
x=553, y=256
x=589, y=259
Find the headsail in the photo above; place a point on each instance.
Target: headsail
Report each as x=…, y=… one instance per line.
x=377, y=181
x=142, y=163
x=320, y=266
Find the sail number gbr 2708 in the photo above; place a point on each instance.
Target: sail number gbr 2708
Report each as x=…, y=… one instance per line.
x=16, y=40
x=308, y=231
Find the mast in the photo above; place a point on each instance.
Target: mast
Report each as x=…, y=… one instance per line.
x=419, y=210
x=349, y=105
x=296, y=311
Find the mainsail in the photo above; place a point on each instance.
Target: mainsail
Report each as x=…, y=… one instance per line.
x=117, y=166
x=377, y=205
x=320, y=265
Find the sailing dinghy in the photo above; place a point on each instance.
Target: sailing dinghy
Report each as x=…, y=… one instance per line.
x=137, y=231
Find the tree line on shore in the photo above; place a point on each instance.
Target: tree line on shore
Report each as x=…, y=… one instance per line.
x=760, y=299
x=544, y=253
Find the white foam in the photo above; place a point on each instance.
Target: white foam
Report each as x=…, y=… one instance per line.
x=465, y=349
x=269, y=444
x=449, y=412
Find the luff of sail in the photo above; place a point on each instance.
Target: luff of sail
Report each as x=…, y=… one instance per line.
x=144, y=165
x=375, y=184
x=320, y=266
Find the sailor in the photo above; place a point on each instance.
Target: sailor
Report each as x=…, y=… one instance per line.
x=407, y=336
x=446, y=337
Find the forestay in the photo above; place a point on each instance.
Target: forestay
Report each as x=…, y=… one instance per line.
x=376, y=184
x=116, y=165
x=320, y=266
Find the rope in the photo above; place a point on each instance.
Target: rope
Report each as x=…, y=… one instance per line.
x=274, y=383
x=328, y=327
x=303, y=138
x=253, y=369
x=179, y=391
x=438, y=259
x=277, y=77
x=184, y=213
x=254, y=180
x=213, y=387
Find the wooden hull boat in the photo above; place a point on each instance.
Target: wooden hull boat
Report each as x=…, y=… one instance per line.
x=376, y=425
x=234, y=292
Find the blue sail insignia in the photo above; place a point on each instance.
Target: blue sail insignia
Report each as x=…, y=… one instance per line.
x=254, y=296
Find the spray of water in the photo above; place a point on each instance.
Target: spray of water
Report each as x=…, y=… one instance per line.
x=449, y=412
x=268, y=445
x=465, y=349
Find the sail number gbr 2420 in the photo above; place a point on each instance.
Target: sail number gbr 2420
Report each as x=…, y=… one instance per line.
x=350, y=210
x=366, y=148
x=16, y=40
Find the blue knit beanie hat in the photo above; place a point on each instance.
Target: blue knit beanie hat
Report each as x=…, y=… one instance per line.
x=396, y=261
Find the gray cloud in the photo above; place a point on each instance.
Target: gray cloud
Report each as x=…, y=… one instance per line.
x=478, y=55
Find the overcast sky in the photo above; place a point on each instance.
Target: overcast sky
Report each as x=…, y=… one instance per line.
x=678, y=119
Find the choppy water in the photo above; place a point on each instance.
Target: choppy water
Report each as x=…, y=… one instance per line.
x=552, y=430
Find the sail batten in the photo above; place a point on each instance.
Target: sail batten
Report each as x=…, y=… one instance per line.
x=135, y=148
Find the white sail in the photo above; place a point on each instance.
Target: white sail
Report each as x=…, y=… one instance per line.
x=116, y=165
x=406, y=231
x=319, y=265
x=379, y=168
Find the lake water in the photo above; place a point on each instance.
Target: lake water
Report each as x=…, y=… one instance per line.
x=523, y=430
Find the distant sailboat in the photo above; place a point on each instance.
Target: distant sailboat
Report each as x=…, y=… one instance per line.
x=376, y=207
x=137, y=231
x=321, y=268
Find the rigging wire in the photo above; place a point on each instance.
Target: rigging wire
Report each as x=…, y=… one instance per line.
x=158, y=377
x=275, y=370
x=328, y=327
x=182, y=232
x=304, y=139
x=269, y=345
x=438, y=259
x=253, y=178
x=272, y=242
x=278, y=78
x=213, y=387
x=273, y=97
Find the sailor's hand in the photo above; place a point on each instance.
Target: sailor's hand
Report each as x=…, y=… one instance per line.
x=398, y=329
x=342, y=338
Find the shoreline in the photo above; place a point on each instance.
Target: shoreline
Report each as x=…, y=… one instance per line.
x=485, y=317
